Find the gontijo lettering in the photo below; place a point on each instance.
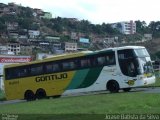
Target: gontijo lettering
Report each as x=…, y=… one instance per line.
x=51, y=77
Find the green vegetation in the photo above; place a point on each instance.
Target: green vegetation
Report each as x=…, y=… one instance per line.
x=85, y=107
x=157, y=54
x=126, y=103
x=2, y=95
x=153, y=28
x=25, y=19
x=157, y=80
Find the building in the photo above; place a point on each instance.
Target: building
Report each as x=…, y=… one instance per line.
x=26, y=49
x=38, y=11
x=12, y=26
x=148, y=37
x=33, y=34
x=46, y=15
x=57, y=46
x=3, y=50
x=74, y=36
x=125, y=27
x=52, y=38
x=13, y=48
x=70, y=47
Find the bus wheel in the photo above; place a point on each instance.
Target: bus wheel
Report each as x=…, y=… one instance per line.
x=126, y=89
x=40, y=93
x=113, y=86
x=29, y=95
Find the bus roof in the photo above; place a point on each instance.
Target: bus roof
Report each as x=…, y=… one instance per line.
x=72, y=55
x=123, y=47
x=52, y=58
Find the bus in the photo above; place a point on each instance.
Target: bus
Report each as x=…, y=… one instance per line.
x=113, y=69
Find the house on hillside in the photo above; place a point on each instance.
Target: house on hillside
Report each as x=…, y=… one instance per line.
x=3, y=50
x=2, y=8
x=13, y=48
x=14, y=35
x=126, y=27
x=26, y=49
x=37, y=12
x=33, y=34
x=46, y=15
x=148, y=37
x=74, y=36
x=12, y=25
x=52, y=38
x=70, y=47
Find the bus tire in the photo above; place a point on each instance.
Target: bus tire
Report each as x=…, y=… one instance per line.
x=40, y=93
x=126, y=89
x=113, y=86
x=29, y=95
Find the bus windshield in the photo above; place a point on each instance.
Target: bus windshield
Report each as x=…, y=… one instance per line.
x=134, y=62
x=144, y=58
x=147, y=67
x=141, y=52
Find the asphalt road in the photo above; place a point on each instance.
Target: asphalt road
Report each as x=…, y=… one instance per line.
x=144, y=90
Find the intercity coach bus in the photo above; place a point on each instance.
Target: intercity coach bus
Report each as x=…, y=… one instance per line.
x=108, y=69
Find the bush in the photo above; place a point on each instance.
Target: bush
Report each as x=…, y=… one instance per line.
x=2, y=96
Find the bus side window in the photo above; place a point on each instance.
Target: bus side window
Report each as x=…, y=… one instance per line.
x=85, y=63
x=56, y=67
x=101, y=60
x=10, y=73
x=36, y=69
x=52, y=67
x=22, y=72
x=69, y=65
x=48, y=68
x=110, y=58
x=66, y=65
x=94, y=61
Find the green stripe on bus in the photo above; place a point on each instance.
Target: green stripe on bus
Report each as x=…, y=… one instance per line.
x=78, y=79
x=91, y=77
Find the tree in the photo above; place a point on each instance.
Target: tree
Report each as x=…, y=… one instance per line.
x=9, y=18
x=2, y=27
x=155, y=28
x=25, y=12
x=25, y=23
x=141, y=27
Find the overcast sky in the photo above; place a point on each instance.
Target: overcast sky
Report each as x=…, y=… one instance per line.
x=97, y=11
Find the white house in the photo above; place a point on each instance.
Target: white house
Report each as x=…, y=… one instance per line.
x=126, y=27
x=33, y=33
x=70, y=47
x=13, y=48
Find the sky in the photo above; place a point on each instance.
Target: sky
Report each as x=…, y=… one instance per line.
x=97, y=11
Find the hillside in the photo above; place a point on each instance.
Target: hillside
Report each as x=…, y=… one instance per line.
x=153, y=47
x=18, y=23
